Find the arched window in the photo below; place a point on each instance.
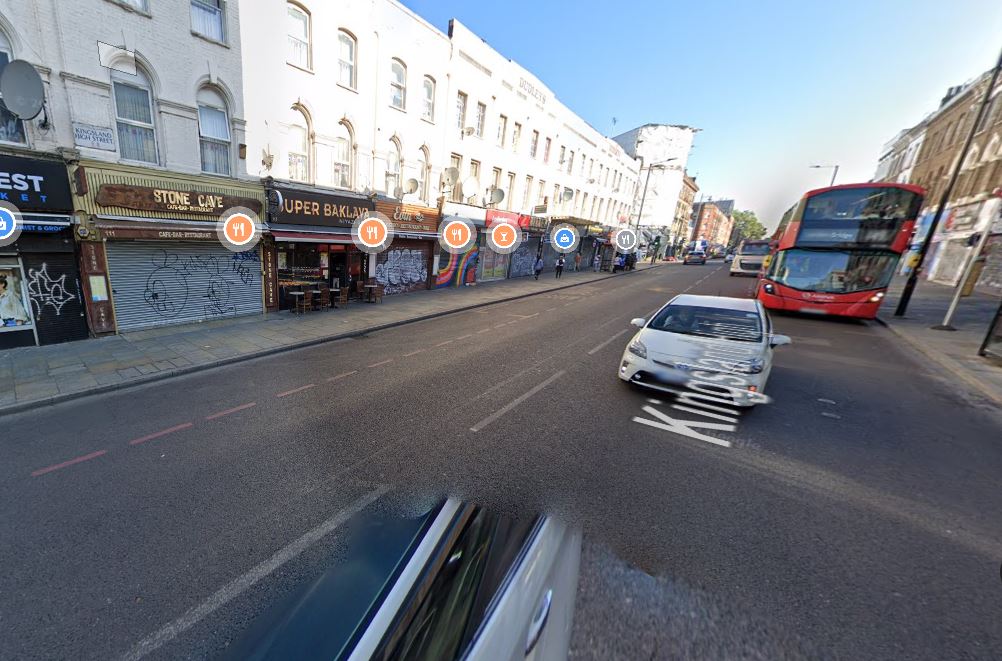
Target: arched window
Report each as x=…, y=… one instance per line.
x=398, y=84
x=137, y=137
x=393, y=168
x=992, y=150
x=428, y=99
x=342, y=157
x=11, y=128
x=422, y=173
x=299, y=30
x=972, y=158
x=298, y=146
x=347, y=47
x=213, y=131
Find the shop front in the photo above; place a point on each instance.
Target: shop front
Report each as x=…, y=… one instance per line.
x=311, y=229
x=954, y=243
x=40, y=300
x=406, y=265
x=149, y=252
x=494, y=265
x=458, y=270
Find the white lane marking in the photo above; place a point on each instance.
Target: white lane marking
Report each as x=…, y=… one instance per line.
x=241, y=584
x=523, y=316
x=684, y=427
x=341, y=376
x=826, y=401
x=515, y=402
x=656, y=402
x=414, y=353
x=463, y=337
x=486, y=330
x=442, y=344
x=383, y=362
x=715, y=416
x=604, y=344
x=606, y=323
x=831, y=415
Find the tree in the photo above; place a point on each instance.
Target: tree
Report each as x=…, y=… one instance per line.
x=747, y=226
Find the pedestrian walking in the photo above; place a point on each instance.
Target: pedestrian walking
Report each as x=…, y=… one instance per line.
x=577, y=262
x=560, y=265
x=538, y=266
x=596, y=263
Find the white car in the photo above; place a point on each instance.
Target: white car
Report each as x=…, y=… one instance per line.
x=714, y=345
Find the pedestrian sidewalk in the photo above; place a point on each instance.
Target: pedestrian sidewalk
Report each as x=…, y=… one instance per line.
x=35, y=376
x=956, y=352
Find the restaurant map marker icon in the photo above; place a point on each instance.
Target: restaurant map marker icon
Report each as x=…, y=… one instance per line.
x=625, y=239
x=372, y=232
x=457, y=235
x=238, y=229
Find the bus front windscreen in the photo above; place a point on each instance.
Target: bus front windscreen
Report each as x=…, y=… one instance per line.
x=834, y=272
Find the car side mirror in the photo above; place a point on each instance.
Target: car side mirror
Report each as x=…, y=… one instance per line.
x=639, y=322
x=780, y=340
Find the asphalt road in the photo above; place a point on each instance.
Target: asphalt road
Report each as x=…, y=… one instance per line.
x=855, y=517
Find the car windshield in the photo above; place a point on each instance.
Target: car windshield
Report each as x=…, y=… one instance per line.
x=754, y=249
x=721, y=323
x=831, y=271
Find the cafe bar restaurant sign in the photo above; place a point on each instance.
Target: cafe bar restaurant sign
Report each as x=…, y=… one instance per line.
x=296, y=207
x=169, y=200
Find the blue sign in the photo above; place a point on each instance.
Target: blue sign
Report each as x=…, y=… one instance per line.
x=7, y=224
x=32, y=227
x=565, y=238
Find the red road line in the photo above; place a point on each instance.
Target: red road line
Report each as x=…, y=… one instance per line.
x=158, y=434
x=86, y=457
x=229, y=411
x=295, y=390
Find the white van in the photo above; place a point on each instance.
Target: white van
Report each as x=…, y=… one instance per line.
x=750, y=256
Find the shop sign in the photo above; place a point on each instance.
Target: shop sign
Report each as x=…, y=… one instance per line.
x=149, y=198
x=93, y=137
x=410, y=217
x=34, y=185
x=496, y=215
x=153, y=233
x=538, y=223
x=295, y=207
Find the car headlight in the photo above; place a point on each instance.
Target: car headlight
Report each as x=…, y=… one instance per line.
x=637, y=348
x=751, y=367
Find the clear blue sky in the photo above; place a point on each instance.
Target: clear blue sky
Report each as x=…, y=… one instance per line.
x=775, y=85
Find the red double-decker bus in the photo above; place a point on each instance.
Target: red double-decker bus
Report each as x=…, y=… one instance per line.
x=837, y=248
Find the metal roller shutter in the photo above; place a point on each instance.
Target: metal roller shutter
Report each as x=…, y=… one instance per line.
x=404, y=267
x=160, y=283
x=54, y=290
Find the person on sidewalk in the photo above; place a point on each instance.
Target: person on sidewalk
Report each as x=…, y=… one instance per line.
x=560, y=266
x=577, y=262
x=538, y=266
x=596, y=263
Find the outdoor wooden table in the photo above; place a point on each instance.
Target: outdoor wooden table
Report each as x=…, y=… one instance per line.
x=370, y=290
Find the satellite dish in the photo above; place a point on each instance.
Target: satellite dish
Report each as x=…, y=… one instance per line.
x=469, y=130
x=412, y=186
x=398, y=192
x=470, y=186
x=21, y=88
x=567, y=195
x=450, y=176
x=496, y=195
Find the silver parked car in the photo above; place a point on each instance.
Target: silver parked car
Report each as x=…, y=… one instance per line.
x=456, y=582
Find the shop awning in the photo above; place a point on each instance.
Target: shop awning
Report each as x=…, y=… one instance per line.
x=310, y=233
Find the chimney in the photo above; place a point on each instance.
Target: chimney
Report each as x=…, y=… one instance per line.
x=950, y=93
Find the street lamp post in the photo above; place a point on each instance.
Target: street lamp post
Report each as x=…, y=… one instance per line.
x=906, y=293
x=834, y=171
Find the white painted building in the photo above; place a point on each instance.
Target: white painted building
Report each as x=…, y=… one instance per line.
x=191, y=68
x=507, y=129
x=384, y=97
x=664, y=149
